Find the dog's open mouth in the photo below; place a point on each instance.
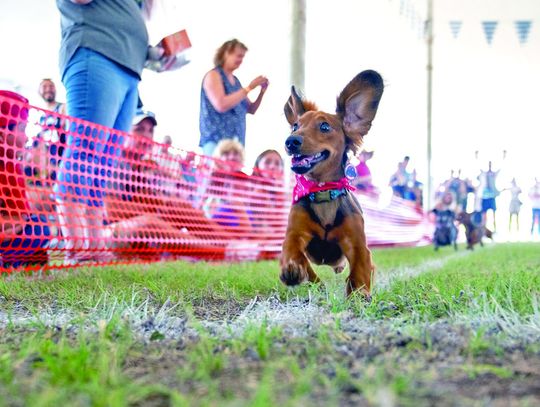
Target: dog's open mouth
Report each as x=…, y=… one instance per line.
x=303, y=163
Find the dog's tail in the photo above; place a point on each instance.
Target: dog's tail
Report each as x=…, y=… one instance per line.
x=488, y=233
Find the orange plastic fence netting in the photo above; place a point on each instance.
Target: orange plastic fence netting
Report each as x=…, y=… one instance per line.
x=74, y=191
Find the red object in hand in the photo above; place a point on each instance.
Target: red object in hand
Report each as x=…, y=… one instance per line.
x=175, y=43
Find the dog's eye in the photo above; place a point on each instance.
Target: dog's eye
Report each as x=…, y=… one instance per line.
x=324, y=127
x=295, y=127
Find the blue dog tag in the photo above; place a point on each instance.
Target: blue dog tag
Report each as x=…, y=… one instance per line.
x=350, y=171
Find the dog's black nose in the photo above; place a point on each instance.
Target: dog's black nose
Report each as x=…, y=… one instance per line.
x=293, y=143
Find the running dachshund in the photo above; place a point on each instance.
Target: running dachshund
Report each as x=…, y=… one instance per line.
x=325, y=224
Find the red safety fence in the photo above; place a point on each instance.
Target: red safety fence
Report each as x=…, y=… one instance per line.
x=74, y=192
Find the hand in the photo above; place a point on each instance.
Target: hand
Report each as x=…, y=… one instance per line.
x=258, y=81
x=155, y=53
x=264, y=85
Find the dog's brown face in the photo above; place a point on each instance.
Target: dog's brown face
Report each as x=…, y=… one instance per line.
x=319, y=141
x=317, y=144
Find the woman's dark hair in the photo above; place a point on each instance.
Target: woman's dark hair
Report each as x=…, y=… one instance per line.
x=256, y=170
x=228, y=46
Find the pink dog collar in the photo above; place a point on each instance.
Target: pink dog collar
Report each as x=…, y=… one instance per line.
x=306, y=187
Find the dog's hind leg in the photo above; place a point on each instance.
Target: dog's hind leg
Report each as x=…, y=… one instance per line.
x=354, y=245
x=362, y=270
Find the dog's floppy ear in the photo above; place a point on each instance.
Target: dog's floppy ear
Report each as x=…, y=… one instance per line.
x=294, y=108
x=358, y=102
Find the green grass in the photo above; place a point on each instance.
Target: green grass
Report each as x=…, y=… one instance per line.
x=506, y=276
x=50, y=368
x=182, y=281
x=179, y=281
x=99, y=361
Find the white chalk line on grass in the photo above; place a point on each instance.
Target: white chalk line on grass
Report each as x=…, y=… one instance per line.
x=298, y=317
x=143, y=319
x=385, y=280
x=295, y=318
x=301, y=317
x=301, y=313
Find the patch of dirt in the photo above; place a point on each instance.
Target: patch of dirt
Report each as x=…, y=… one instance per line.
x=218, y=309
x=436, y=366
x=483, y=382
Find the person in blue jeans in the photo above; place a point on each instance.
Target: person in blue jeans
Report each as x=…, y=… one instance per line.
x=102, y=53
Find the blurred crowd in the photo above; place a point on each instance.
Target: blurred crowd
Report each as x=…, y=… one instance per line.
x=478, y=200
x=151, y=186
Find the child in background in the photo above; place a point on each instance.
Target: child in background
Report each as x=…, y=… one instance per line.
x=227, y=190
x=270, y=202
x=268, y=181
x=534, y=195
x=515, y=204
x=445, y=229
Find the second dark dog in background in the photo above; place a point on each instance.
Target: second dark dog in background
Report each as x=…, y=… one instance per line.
x=475, y=228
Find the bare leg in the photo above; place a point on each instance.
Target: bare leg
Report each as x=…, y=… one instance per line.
x=98, y=235
x=510, y=222
x=74, y=228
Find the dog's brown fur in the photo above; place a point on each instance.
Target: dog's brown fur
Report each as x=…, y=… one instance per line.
x=331, y=232
x=473, y=233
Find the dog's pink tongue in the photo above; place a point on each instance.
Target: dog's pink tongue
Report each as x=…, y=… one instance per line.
x=302, y=162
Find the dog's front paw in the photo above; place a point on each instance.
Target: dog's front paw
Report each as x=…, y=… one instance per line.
x=293, y=273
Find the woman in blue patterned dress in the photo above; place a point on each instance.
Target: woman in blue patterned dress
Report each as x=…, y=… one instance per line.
x=224, y=102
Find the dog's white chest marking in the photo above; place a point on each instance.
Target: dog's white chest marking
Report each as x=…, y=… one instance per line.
x=326, y=212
